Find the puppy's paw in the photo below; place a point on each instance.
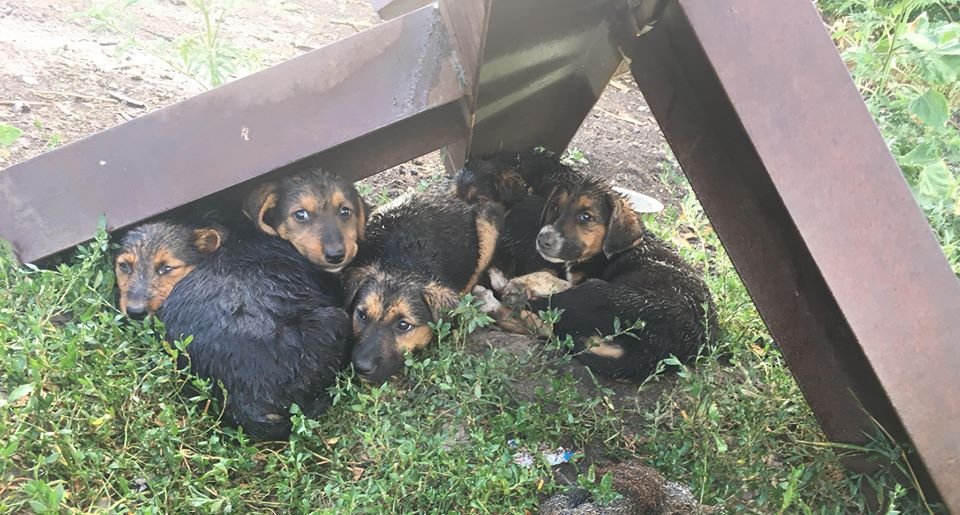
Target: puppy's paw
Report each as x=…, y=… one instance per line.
x=497, y=279
x=488, y=302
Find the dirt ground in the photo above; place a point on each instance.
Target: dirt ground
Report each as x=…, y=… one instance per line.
x=61, y=80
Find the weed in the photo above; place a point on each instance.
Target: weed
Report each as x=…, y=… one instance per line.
x=905, y=58
x=207, y=57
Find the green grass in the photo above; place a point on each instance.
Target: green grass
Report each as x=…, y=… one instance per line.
x=95, y=417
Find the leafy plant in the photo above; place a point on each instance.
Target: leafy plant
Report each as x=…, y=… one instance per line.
x=9, y=134
x=207, y=57
x=905, y=58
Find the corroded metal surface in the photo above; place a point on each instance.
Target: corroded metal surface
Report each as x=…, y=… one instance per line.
x=816, y=216
x=370, y=100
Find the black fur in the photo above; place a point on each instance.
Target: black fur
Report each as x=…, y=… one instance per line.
x=518, y=182
x=649, y=283
x=429, y=234
x=268, y=325
x=419, y=254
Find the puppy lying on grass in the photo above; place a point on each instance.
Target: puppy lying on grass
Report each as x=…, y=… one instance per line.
x=627, y=299
x=420, y=254
x=266, y=323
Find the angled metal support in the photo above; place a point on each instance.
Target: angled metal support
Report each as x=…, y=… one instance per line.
x=816, y=216
x=358, y=106
x=544, y=65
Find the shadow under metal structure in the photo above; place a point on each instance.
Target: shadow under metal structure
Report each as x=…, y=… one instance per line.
x=751, y=95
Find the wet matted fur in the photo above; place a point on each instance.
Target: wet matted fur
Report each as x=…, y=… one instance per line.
x=420, y=254
x=267, y=325
x=615, y=269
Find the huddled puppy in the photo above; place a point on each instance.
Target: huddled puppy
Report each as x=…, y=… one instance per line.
x=266, y=322
x=322, y=215
x=614, y=269
x=421, y=252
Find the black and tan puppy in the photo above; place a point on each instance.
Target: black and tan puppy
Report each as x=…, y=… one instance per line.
x=321, y=214
x=615, y=269
x=153, y=258
x=517, y=181
x=266, y=323
x=420, y=254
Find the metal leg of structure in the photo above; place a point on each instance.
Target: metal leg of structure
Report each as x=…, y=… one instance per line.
x=816, y=216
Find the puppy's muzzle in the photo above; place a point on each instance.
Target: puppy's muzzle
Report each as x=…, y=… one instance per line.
x=549, y=243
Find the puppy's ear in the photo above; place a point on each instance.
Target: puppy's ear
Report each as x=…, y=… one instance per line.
x=208, y=239
x=259, y=203
x=439, y=298
x=624, y=227
x=362, y=217
x=353, y=279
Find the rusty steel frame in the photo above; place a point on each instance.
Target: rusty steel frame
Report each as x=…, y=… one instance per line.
x=750, y=94
x=816, y=216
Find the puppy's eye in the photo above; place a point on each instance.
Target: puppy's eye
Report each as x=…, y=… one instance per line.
x=553, y=206
x=301, y=215
x=361, y=314
x=404, y=326
x=585, y=217
x=165, y=269
x=125, y=267
x=345, y=212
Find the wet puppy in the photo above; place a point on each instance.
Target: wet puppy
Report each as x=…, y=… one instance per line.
x=265, y=322
x=153, y=258
x=420, y=254
x=321, y=214
x=508, y=179
x=615, y=269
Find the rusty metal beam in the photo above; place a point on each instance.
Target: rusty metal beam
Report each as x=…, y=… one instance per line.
x=544, y=65
x=816, y=216
x=360, y=105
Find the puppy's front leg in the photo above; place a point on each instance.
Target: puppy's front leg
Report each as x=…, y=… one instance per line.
x=531, y=286
x=514, y=320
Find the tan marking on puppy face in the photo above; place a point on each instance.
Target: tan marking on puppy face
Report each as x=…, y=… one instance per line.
x=596, y=346
x=154, y=258
x=419, y=336
x=590, y=234
x=390, y=319
x=325, y=230
x=574, y=227
x=124, y=267
x=170, y=270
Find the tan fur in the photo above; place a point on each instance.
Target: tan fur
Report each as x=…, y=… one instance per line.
x=487, y=235
x=595, y=345
x=258, y=203
x=537, y=284
x=439, y=298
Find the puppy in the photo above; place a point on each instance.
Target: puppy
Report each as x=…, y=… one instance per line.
x=503, y=179
x=615, y=269
x=153, y=258
x=420, y=254
x=266, y=323
x=321, y=214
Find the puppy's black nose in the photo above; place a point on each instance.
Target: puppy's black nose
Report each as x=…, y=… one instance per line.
x=137, y=312
x=364, y=367
x=334, y=256
x=546, y=241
